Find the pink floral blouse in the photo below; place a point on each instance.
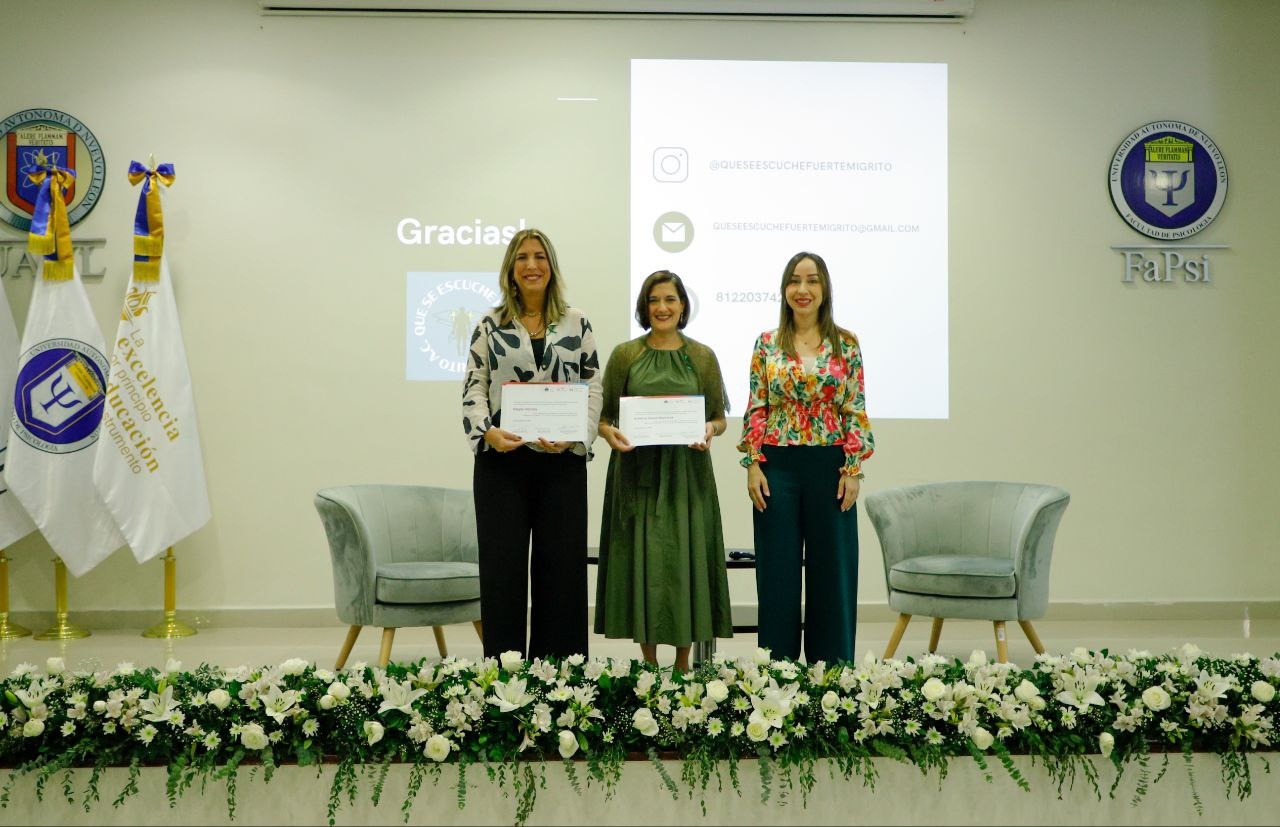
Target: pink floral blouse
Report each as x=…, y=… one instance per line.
x=792, y=406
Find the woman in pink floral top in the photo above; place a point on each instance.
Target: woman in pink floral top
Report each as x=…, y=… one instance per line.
x=805, y=435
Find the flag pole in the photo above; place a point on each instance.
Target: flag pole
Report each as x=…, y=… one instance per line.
x=170, y=627
x=8, y=631
x=62, y=629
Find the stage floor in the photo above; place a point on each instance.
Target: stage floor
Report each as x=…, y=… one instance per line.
x=258, y=646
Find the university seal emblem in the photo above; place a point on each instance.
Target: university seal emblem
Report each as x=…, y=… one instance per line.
x=38, y=137
x=1168, y=180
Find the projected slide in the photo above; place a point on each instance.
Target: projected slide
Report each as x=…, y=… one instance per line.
x=736, y=165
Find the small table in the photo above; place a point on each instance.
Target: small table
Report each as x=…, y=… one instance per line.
x=734, y=558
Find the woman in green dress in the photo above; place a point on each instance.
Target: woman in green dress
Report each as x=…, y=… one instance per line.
x=662, y=577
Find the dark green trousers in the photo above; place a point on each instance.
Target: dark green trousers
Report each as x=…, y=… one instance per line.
x=802, y=529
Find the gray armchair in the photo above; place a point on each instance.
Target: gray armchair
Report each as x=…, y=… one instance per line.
x=403, y=555
x=972, y=550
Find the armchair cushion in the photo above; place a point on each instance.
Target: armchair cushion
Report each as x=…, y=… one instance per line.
x=427, y=582
x=955, y=575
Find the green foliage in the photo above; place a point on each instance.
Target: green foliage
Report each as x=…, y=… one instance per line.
x=510, y=717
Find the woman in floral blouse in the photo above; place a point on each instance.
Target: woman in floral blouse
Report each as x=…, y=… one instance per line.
x=530, y=489
x=805, y=434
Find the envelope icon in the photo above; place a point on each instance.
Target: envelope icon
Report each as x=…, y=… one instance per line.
x=673, y=232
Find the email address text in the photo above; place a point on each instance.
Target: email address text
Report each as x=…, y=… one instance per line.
x=816, y=227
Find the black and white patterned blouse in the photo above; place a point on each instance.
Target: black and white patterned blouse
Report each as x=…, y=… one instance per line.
x=504, y=353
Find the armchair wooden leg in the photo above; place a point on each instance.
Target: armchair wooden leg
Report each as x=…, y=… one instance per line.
x=384, y=654
x=896, y=637
x=352, y=634
x=439, y=633
x=1002, y=644
x=479, y=629
x=935, y=634
x=1032, y=636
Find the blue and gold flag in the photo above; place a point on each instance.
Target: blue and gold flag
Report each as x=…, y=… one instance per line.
x=59, y=395
x=149, y=468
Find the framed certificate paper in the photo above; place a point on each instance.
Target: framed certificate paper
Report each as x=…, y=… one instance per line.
x=555, y=411
x=663, y=420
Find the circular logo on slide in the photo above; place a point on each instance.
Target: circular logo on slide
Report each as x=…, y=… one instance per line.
x=673, y=232
x=57, y=403
x=1168, y=180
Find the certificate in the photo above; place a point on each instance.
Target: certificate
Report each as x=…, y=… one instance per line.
x=555, y=411
x=663, y=420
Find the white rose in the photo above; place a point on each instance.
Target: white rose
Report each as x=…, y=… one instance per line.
x=511, y=660
x=373, y=731
x=1106, y=743
x=1025, y=691
x=99, y=707
x=1262, y=691
x=327, y=702
x=1156, y=698
x=757, y=729
x=977, y=657
x=643, y=721
x=830, y=700
x=294, y=666
x=568, y=743
x=1037, y=703
x=253, y=737
x=933, y=689
x=717, y=690
x=762, y=657
x=981, y=738
x=438, y=747
x=55, y=666
x=339, y=690
x=33, y=728
x=172, y=666
x=219, y=698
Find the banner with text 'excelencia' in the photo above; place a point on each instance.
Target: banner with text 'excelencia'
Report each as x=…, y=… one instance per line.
x=149, y=467
x=738, y=165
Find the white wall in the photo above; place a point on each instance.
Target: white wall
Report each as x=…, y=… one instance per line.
x=300, y=141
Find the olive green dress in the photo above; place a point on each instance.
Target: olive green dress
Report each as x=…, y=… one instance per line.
x=662, y=575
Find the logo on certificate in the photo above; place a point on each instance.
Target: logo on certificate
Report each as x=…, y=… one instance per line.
x=46, y=136
x=673, y=232
x=1168, y=180
x=441, y=312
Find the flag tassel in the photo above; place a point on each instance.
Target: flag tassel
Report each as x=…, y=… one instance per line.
x=8, y=630
x=62, y=628
x=170, y=626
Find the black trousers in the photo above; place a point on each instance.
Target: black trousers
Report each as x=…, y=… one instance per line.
x=522, y=494
x=803, y=521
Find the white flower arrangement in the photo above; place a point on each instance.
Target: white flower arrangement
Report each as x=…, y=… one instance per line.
x=1067, y=710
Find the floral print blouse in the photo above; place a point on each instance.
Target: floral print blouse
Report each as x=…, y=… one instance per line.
x=504, y=353
x=792, y=406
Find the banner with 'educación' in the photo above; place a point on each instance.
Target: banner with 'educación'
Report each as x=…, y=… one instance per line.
x=149, y=468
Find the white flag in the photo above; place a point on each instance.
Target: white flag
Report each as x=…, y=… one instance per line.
x=57, y=407
x=14, y=522
x=149, y=468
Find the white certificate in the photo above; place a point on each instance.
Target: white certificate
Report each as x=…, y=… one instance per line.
x=663, y=420
x=556, y=411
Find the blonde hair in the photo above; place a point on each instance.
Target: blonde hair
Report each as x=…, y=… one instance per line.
x=826, y=322
x=512, y=305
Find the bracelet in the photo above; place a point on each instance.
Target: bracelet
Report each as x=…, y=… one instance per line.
x=855, y=475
